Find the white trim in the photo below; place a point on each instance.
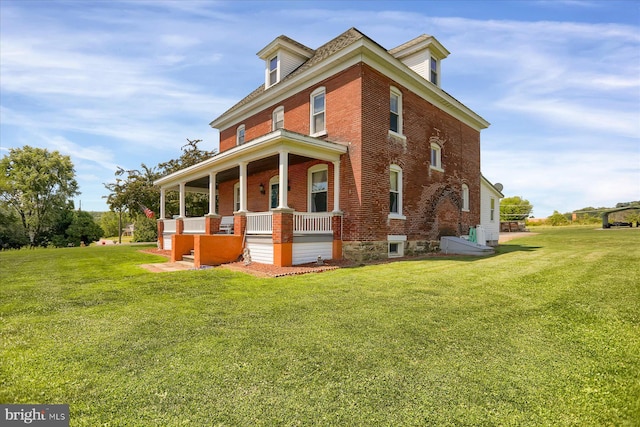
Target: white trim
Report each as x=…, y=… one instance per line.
x=395, y=239
x=372, y=54
x=274, y=115
x=312, y=114
x=395, y=91
x=314, y=169
x=465, y=198
x=241, y=131
x=264, y=146
x=398, y=170
x=438, y=149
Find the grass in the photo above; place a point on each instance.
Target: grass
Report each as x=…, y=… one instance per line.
x=546, y=332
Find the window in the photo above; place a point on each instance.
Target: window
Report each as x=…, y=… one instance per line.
x=240, y=135
x=274, y=192
x=395, y=192
x=465, y=197
x=395, y=115
x=434, y=71
x=436, y=156
x=396, y=245
x=318, y=188
x=273, y=70
x=493, y=209
x=318, y=111
x=278, y=118
x=236, y=196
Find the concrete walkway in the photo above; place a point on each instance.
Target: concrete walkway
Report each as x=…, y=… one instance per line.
x=166, y=267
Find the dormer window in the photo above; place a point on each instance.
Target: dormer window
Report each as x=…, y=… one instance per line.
x=434, y=71
x=273, y=70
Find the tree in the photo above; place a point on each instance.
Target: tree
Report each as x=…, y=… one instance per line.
x=557, y=219
x=83, y=229
x=35, y=183
x=514, y=209
x=12, y=234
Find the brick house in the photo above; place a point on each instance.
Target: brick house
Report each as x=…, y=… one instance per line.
x=349, y=150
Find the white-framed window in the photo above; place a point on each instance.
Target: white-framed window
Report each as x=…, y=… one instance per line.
x=465, y=197
x=236, y=196
x=277, y=120
x=396, y=245
x=274, y=192
x=492, y=211
x=433, y=71
x=436, y=156
x=240, y=135
x=395, y=111
x=395, y=192
x=318, y=176
x=318, y=125
x=273, y=70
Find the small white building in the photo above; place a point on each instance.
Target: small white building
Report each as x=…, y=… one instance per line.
x=490, y=196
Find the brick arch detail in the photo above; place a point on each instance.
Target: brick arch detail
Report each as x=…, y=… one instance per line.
x=440, y=220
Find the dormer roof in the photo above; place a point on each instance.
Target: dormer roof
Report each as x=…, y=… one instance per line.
x=418, y=44
x=348, y=47
x=285, y=43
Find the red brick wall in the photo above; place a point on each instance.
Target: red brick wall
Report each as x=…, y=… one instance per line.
x=357, y=115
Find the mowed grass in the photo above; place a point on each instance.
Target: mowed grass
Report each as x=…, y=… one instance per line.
x=546, y=332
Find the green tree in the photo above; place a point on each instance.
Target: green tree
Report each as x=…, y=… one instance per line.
x=84, y=229
x=35, y=183
x=145, y=230
x=12, y=234
x=557, y=219
x=515, y=209
x=110, y=221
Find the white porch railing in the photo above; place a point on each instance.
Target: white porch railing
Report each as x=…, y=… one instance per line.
x=312, y=222
x=194, y=225
x=169, y=225
x=259, y=223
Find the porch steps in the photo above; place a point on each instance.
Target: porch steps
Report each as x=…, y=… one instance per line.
x=189, y=258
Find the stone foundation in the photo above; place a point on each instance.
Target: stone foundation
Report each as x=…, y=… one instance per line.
x=363, y=252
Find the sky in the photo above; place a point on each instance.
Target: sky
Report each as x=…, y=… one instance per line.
x=120, y=83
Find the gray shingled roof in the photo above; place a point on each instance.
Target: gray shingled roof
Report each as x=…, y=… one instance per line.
x=343, y=40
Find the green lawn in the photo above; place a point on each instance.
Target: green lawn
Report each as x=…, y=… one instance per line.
x=546, y=332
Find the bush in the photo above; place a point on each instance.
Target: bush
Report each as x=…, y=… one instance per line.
x=145, y=230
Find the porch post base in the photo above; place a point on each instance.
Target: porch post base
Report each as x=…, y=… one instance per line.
x=283, y=254
x=211, y=223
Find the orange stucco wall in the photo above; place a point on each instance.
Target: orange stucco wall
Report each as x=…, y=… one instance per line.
x=216, y=249
x=181, y=244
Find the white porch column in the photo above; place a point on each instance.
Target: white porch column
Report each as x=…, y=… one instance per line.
x=284, y=179
x=182, y=194
x=162, y=203
x=212, y=193
x=336, y=186
x=243, y=186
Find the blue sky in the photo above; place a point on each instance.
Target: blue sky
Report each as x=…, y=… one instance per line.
x=120, y=83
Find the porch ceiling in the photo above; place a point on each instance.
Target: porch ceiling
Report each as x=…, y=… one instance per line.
x=260, y=154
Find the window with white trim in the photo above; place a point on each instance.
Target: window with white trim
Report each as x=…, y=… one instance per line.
x=318, y=188
x=274, y=192
x=396, y=245
x=433, y=71
x=395, y=111
x=236, y=196
x=318, y=111
x=240, y=135
x=277, y=121
x=465, y=197
x=273, y=70
x=436, y=156
x=395, y=192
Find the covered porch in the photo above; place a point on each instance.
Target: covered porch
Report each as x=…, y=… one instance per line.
x=275, y=198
